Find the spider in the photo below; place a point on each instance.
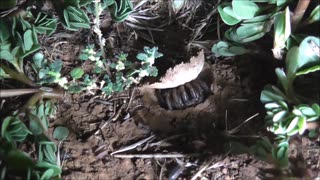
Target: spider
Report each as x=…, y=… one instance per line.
x=183, y=96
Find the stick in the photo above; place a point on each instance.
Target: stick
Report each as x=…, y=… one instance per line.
x=202, y=170
x=130, y=101
x=236, y=129
x=133, y=146
x=156, y=156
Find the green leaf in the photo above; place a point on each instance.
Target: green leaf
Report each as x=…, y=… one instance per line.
x=257, y=19
x=142, y=56
x=279, y=116
x=271, y=94
x=56, y=169
x=120, y=10
x=28, y=40
x=76, y=73
x=313, y=133
x=302, y=124
x=227, y=15
x=315, y=15
x=19, y=160
x=5, y=34
x=223, y=48
x=273, y=105
x=282, y=152
x=282, y=28
x=305, y=56
x=307, y=111
x=6, y=55
x=281, y=2
x=282, y=78
x=246, y=32
x=244, y=9
x=308, y=70
x=48, y=174
x=293, y=124
x=60, y=133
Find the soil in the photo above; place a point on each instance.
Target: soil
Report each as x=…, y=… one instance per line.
x=200, y=133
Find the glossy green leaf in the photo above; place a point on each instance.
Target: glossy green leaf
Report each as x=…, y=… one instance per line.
x=307, y=111
x=302, y=124
x=306, y=55
x=6, y=55
x=282, y=152
x=244, y=9
x=315, y=15
x=76, y=73
x=120, y=9
x=293, y=124
x=56, y=169
x=48, y=174
x=28, y=40
x=282, y=2
x=227, y=15
x=293, y=132
x=308, y=70
x=257, y=19
x=282, y=28
x=273, y=105
x=282, y=78
x=60, y=133
x=271, y=94
x=75, y=18
x=223, y=48
x=279, y=116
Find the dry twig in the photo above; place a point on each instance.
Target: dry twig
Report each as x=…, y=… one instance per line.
x=133, y=146
x=156, y=156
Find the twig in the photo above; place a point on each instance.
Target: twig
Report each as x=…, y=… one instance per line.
x=16, y=92
x=236, y=129
x=299, y=12
x=202, y=170
x=133, y=146
x=156, y=156
x=103, y=102
x=116, y=116
x=130, y=101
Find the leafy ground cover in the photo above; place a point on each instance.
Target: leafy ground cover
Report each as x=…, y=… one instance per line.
x=75, y=103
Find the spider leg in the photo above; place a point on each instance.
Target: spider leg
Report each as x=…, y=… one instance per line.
x=183, y=93
x=198, y=88
x=177, y=98
x=160, y=97
x=192, y=91
x=203, y=85
x=168, y=100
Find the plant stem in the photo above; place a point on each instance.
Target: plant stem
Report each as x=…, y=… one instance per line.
x=298, y=13
x=16, y=92
x=18, y=76
x=97, y=30
x=44, y=94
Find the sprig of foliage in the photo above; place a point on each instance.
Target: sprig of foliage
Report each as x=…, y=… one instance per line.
x=287, y=114
x=14, y=130
x=126, y=72
x=251, y=20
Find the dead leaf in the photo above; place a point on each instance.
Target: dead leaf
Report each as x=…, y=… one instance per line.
x=181, y=73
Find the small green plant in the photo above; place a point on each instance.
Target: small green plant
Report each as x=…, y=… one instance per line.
x=294, y=103
x=125, y=72
x=251, y=20
x=289, y=112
